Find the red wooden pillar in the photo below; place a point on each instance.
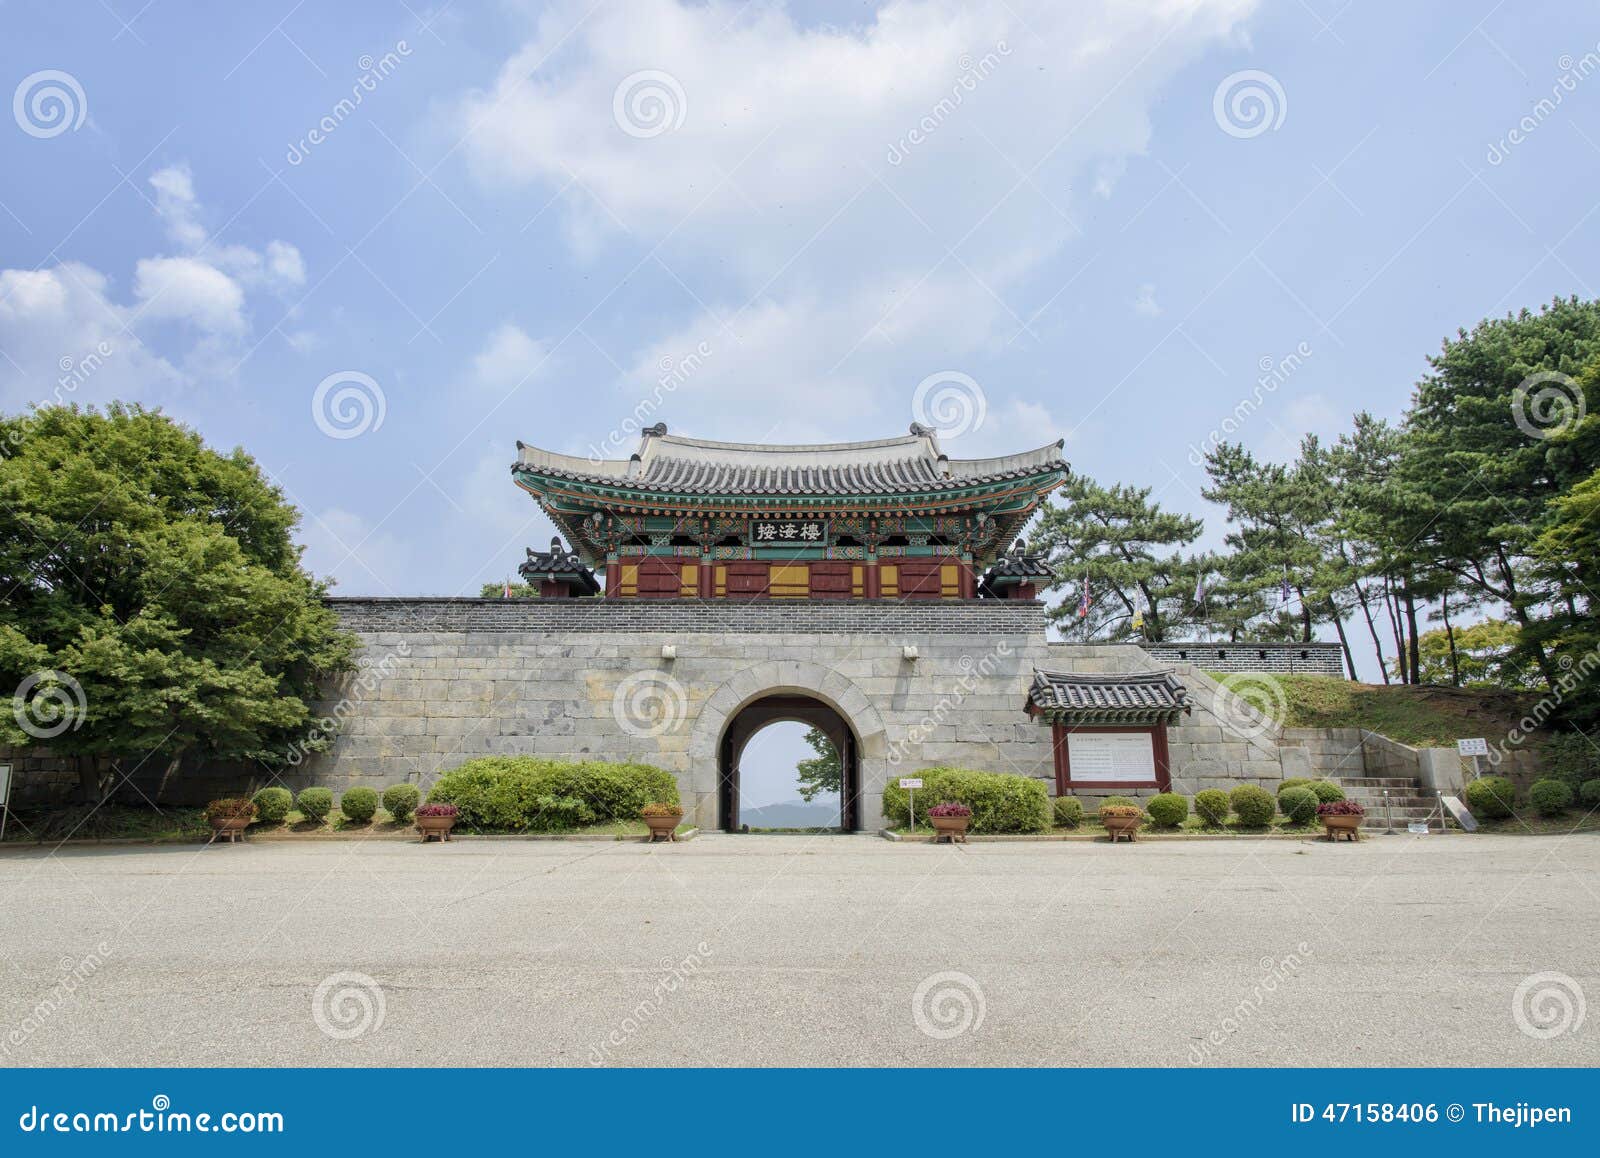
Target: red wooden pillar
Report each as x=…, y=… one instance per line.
x=873, y=588
x=613, y=577
x=708, y=576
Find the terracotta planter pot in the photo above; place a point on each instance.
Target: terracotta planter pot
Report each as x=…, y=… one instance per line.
x=229, y=829
x=435, y=827
x=1122, y=827
x=1341, y=827
x=663, y=827
x=950, y=828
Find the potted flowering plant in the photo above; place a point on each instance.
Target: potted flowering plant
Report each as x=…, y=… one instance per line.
x=1122, y=821
x=950, y=821
x=1341, y=819
x=662, y=820
x=229, y=817
x=435, y=821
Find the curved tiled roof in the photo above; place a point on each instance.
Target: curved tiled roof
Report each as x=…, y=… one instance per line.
x=671, y=463
x=1108, y=698
x=558, y=563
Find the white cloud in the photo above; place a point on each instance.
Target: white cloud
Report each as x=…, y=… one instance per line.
x=188, y=290
x=63, y=339
x=867, y=203
x=508, y=358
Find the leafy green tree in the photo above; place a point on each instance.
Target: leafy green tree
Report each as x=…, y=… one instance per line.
x=823, y=773
x=160, y=580
x=1485, y=655
x=1130, y=550
x=498, y=590
x=1504, y=423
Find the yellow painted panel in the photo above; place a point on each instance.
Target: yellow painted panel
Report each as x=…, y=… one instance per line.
x=630, y=578
x=888, y=580
x=856, y=581
x=691, y=579
x=722, y=581
x=789, y=581
x=949, y=580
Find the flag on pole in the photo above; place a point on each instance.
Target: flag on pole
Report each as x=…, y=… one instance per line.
x=1138, y=620
x=1083, y=604
x=1200, y=588
x=1283, y=592
x=506, y=593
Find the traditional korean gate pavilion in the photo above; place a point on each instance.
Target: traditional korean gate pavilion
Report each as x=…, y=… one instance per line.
x=895, y=518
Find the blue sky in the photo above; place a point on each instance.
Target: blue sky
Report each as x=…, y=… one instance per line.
x=499, y=242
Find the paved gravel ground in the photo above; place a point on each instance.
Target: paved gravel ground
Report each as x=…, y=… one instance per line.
x=766, y=950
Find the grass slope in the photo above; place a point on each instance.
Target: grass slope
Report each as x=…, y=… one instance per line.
x=1424, y=717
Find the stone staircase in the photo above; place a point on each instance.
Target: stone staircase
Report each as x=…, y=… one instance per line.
x=1407, y=801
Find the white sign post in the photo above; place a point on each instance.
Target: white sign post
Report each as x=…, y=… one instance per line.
x=5, y=798
x=911, y=784
x=1473, y=748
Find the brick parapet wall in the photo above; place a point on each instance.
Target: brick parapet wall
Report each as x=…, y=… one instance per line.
x=1285, y=658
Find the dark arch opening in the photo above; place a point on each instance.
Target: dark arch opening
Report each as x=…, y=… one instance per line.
x=802, y=710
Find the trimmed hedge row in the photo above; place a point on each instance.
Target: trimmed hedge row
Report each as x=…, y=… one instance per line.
x=1000, y=801
x=531, y=794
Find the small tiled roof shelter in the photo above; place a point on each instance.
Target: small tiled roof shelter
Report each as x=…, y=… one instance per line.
x=1109, y=730
x=560, y=573
x=891, y=518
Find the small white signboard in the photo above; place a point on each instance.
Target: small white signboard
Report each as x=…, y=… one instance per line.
x=1472, y=747
x=1419, y=827
x=909, y=782
x=5, y=785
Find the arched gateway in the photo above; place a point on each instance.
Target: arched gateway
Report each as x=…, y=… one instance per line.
x=788, y=690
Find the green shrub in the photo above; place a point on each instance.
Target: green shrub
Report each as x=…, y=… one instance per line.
x=1211, y=806
x=1298, y=804
x=359, y=805
x=1296, y=782
x=1571, y=757
x=1120, y=802
x=1491, y=797
x=400, y=801
x=1550, y=797
x=1589, y=794
x=1253, y=805
x=534, y=794
x=1326, y=791
x=1069, y=811
x=1167, y=809
x=1000, y=801
x=273, y=804
x=314, y=803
